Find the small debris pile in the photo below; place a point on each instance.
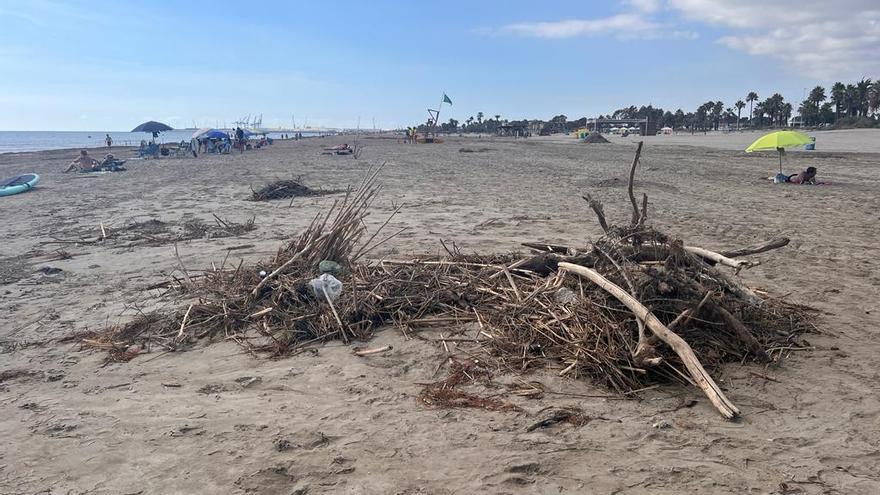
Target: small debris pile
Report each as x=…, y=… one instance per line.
x=281, y=189
x=595, y=137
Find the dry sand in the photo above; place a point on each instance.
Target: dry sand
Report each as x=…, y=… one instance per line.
x=331, y=422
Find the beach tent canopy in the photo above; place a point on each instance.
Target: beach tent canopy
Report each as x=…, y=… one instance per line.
x=779, y=140
x=209, y=133
x=215, y=134
x=201, y=131
x=152, y=126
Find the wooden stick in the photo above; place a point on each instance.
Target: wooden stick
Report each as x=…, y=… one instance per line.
x=183, y=323
x=367, y=352
x=742, y=333
x=643, y=216
x=515, y=264
x=512, y=284
x=684, y=351
x=261, y=312
x=632, y=174
x=553, y=248
x=718, y=258
x=757, y=248
x=335, y=314
x=597, y=208
x=182, y=268
x=762, y=375
x=287, y=263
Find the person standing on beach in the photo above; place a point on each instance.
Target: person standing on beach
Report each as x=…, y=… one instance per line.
x=108, y=140
x=239, y=136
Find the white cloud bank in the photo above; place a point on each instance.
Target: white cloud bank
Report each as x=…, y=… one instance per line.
x=821, y=38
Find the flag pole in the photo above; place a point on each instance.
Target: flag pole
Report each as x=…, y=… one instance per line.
x=437, y=118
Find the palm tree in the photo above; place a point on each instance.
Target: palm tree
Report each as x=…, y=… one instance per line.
x=728, y=117
x=838, y=97
x=874, y=97
x=480, y=117
x=717, y=108
x=739, y=106
x=497, y=118
x=759, y=111
x=863, y=92
x=785, y=114
x=751, y=98
x=850, y=100
x=817, y=96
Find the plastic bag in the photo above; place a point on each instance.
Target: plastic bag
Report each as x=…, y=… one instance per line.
x=326, y=283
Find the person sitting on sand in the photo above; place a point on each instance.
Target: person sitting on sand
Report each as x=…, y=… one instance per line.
x=110, y=163
x=83, y=163
x=808, y=176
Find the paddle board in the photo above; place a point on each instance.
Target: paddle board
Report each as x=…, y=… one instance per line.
x=15, y=185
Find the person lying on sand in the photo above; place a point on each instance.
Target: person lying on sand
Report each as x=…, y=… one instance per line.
x=83, y=163
x=808, y=176
x=338, y=147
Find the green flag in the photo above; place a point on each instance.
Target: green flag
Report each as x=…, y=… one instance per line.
x=446, y=99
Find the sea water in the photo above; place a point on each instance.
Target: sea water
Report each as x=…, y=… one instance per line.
x=11, y=141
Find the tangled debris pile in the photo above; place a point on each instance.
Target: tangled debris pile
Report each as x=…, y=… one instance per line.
x=632, y=309
x=281, y=189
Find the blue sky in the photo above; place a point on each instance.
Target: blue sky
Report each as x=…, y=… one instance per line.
x=88, y=65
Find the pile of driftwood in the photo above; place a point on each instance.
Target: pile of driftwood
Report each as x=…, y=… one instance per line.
x=294, y=188
x=632, y=309
x=595, y=137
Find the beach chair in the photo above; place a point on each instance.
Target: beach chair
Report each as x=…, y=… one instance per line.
x=183, y=149
x=151, y=149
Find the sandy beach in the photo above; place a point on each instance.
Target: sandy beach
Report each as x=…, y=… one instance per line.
x=331, y=422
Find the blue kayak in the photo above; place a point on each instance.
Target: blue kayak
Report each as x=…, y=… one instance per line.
x=19, y=184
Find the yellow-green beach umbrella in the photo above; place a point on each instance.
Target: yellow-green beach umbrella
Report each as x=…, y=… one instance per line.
x=778, y=141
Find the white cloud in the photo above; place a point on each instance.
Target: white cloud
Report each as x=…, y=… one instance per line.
x=820, y=38
x=626, y=25
x=646, y=6
x=637, y=21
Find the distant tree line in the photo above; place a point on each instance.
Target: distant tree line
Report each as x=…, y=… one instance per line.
x=846, y=105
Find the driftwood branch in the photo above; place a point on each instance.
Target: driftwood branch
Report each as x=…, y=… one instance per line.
x=682, y=349
x=551, y=248
x=718, y=258
x=643, y=216
x=757, y=248
x=596, y=205
x=741, y=331
x=632, y=174
x=685, y=317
